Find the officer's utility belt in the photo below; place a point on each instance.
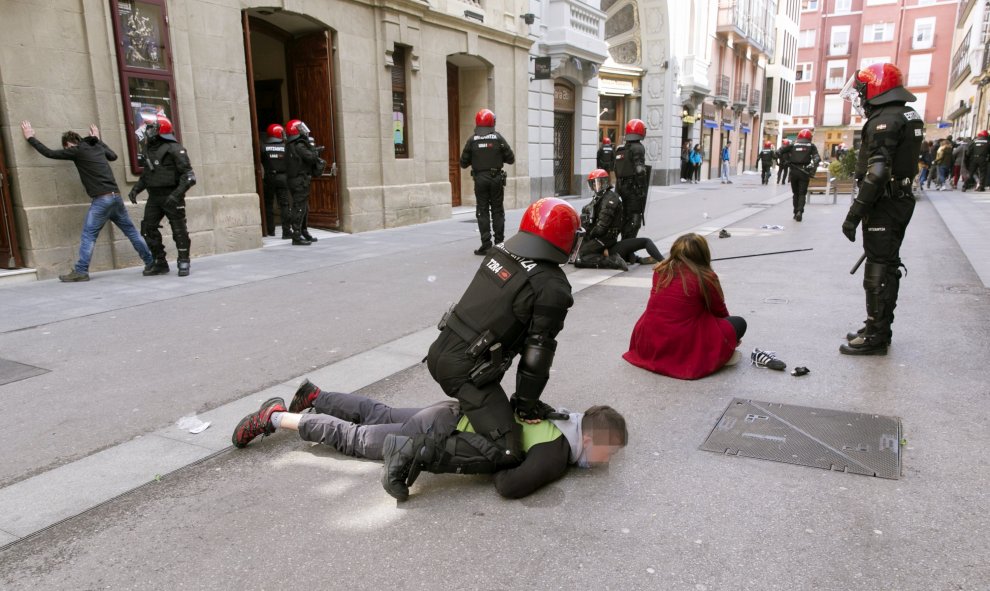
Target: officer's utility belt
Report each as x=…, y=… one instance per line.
x=491, y=363
x=491, y=171
x=901, y=188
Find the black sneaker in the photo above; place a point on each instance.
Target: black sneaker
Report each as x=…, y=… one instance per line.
x=397, y=452
x=257, y=423
x=483, y=250
x=73, y=277
x=305, y=395
x=767, y=360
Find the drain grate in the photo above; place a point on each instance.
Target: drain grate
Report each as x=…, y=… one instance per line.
x=821, y=438
x=11, y=371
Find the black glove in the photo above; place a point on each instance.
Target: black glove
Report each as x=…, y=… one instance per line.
x=530, y=410
x=133, y=196
x=172, y=200
x=849, y=226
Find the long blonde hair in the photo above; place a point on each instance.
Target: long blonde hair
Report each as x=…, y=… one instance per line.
x=688, y=254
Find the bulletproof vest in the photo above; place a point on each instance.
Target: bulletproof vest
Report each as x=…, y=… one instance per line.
x=606, y=154
x=896, y=132
x=981, y=149
x=487, y=302
x=486, y=152
x=273, y=156
x=162, y=171
x=801, y=153
x=766, y=155
x=784, y=154
x=625, y=158
x=295, y=167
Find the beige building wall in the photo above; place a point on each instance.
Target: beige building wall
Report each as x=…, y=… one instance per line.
x=60, y=85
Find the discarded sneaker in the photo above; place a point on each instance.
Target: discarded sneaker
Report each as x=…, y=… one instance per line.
x=305, y=395
x=397, y=452
x=73, y=277
x=257, y=423
x=724, y=234
x=767, y=360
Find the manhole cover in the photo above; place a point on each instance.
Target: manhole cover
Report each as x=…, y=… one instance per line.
x=821, y=438
x=11, y=371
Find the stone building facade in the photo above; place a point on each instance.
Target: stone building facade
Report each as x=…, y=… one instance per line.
x=390, y=88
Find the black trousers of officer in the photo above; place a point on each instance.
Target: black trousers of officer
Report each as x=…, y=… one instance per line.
x=883, y=233
x=799, y=190
x=158, y=207
x=299, y=205
x=277, y=189
x=635, y=204
x=782, y=173
x=765, y=176
x=486, y=406
x=489, y=208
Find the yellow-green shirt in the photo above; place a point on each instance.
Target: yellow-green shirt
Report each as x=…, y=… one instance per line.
x=541, y=432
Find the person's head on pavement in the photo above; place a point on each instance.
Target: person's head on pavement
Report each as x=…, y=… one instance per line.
x=603, y=434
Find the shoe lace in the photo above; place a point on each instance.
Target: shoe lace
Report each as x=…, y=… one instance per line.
x=763, y=357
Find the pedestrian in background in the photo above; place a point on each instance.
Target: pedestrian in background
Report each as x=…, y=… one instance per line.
x=724, y=163
x=167, y=175
x=924, y=163
x=686, y=162
x=943, y=163
x=958, y=156
x=696, y=164
x=92, y=159
x=486, y=151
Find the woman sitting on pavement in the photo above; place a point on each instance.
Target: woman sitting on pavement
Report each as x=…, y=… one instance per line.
x=686, y=331
x=602, y=222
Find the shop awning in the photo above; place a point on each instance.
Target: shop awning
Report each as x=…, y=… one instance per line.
x=745, y=129
x=728, y=127
x=710, y=124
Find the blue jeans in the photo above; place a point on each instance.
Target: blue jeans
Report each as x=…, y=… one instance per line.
x=724, y=170
x=106, y=208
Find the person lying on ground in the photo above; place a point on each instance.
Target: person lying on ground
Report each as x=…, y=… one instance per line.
x=361, y=427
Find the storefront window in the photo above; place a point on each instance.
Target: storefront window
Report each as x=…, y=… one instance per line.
x=145, y=63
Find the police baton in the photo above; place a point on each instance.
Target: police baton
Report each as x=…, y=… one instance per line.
x=858, y=263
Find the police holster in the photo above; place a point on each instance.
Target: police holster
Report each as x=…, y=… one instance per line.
x=491, y=361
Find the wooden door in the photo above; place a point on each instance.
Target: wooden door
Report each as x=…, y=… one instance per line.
x=310, y=88
x=453, y=137
x=10, y=254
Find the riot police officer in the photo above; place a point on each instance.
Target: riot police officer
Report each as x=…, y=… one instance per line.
x=302, y=158
x=515, y=305
x=631, y=177
x=276, y=184
x=783, y=161
x=605, y=158
x=888, y=163
x=978, y=159
x=803, y=159
x=767, y=157
x=601, y=220
x=167, y=175
x=485, y=152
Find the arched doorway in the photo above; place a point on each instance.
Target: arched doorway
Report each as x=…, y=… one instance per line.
x=468, y=90
x=290, y=67
x=563, y=136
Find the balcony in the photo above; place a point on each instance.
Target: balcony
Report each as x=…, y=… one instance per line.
x=741, y=96
x=742, y=20
x=754, y=102
x=575, y=29
x=722, y=90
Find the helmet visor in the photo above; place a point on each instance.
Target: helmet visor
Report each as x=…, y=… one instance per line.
x=578, y=239
x=301, y=127
x=850, y=93
x=599, y=184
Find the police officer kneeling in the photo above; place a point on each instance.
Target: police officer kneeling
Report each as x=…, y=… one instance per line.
x=888, y=162
x=602, y=221
x=515, y=305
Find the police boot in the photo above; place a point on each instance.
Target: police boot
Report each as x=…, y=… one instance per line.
x=183, y=267
x=865, y=344
x=156, y=268
x=306, y=236
x=398, y=452
x=298, y=240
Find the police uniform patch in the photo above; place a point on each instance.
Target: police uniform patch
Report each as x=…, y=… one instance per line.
x=912, y=116
x=881, y=126
x=498, y=270
x=918, y=133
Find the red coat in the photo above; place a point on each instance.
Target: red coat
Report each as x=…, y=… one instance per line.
x=678, y=336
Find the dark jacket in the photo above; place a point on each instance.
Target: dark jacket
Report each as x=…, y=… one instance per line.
x=91, y=158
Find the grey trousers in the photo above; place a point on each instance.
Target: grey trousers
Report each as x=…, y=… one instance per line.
x=357, y=426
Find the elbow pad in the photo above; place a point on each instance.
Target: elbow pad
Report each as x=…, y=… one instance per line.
x=877, y=175
x=534, y=367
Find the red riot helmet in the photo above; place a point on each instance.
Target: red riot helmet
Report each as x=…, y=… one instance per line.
x=549, y=231
x=767, y=145
x=635, y=129
x=484, y=118
x=876, y=85
x=804, y=134
x=606, y=142
x=276, y=131
x=598, y=181
x=294, y=128
x=158, y=126
x=786, y=142
x=983, y=133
